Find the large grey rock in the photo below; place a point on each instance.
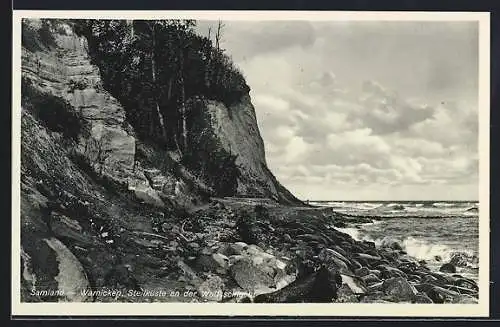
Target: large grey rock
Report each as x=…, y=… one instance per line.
x=370, y=279
x=252, y=277
x=318, y=287
x=391, y=243
x=72, y=279
x=363, y=271
x=399, y=288
x=448, y=268
x=354, y=284
x=422, y=298
x=212, y=289
x=465, y=299
x=390, y=272
x=335, y=261
x=346, y=295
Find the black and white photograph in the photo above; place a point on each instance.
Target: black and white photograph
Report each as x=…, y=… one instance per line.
x=329, y=162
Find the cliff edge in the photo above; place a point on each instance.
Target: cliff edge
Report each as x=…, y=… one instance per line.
x=112, y=159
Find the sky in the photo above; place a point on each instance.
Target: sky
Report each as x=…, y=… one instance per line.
x=364, y=110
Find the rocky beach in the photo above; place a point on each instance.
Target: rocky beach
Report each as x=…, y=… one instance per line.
x=145, y=181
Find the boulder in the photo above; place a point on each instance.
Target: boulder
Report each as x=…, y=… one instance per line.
x=429, y=279
x=346, y=295
x=221, y=260
x=235, y=258
x=251, y=277
x=253, y=250
x=237, y=248
x=369, y=244
x=399, y=288
x=367, y=257
x=408, y=267
x=354, y=284
x=70, y=279
x=465, y=299
x=363, y=271
x=338, y=249
x=318, y=287
x=332, y=260
x=146, y=194
x=443, y=278
x=391, y=243
x=461, y=259
x=287, y=238
x=312, y=238
x=390, y=255
x=355, y=264
x=414, y=278
x=211, y=289
x=377, y=287
x=460, y=290
x=376, y=272
x=377, y=297
x=437, y=294
x=448, y=268
x=194, y=245
x=330, y=252
x=466, y=283
x=211, y=263
x=421, y=298
x=370, y=279
x=390, y=272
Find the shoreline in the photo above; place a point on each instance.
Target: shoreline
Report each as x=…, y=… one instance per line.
x=239, y=251
x=387, y=263
x=435, y=254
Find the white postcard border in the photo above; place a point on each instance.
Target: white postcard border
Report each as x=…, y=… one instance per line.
x=240, y=309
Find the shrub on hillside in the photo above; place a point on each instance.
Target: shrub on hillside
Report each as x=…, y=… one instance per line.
x=37, y=38
x=54, y=112
x=155, y=67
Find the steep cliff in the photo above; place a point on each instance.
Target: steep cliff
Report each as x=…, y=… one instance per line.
x=184, y=95
x=97, y=185
x=127, y=130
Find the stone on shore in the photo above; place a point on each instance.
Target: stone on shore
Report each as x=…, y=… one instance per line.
x=346, y=295
x=422, y=298
x=399, y=288
x=363, y=271
x=448, y=268
x=211, y=289
x=318, y=287
x=370, y=279
x=252, y=277
x=334, y=260
x=354, y=284
x=388, y=242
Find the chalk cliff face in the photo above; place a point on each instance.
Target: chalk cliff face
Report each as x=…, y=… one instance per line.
x=110, y=145
x=89, y=181
x=236, y=128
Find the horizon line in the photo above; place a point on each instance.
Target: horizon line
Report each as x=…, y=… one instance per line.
x=468, y=200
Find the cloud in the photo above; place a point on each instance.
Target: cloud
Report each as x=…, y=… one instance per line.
x=385, y=112
x=271, y=103
x=362, y=107
x=245, y=40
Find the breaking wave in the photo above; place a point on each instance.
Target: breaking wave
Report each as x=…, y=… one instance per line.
x=418, y=248
x=425, y=209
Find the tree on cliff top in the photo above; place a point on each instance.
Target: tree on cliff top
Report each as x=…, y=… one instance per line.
x=37, y=38
x=185, y=65
x=155, y=67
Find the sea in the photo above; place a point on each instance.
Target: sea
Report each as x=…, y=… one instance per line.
x=433, y=231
